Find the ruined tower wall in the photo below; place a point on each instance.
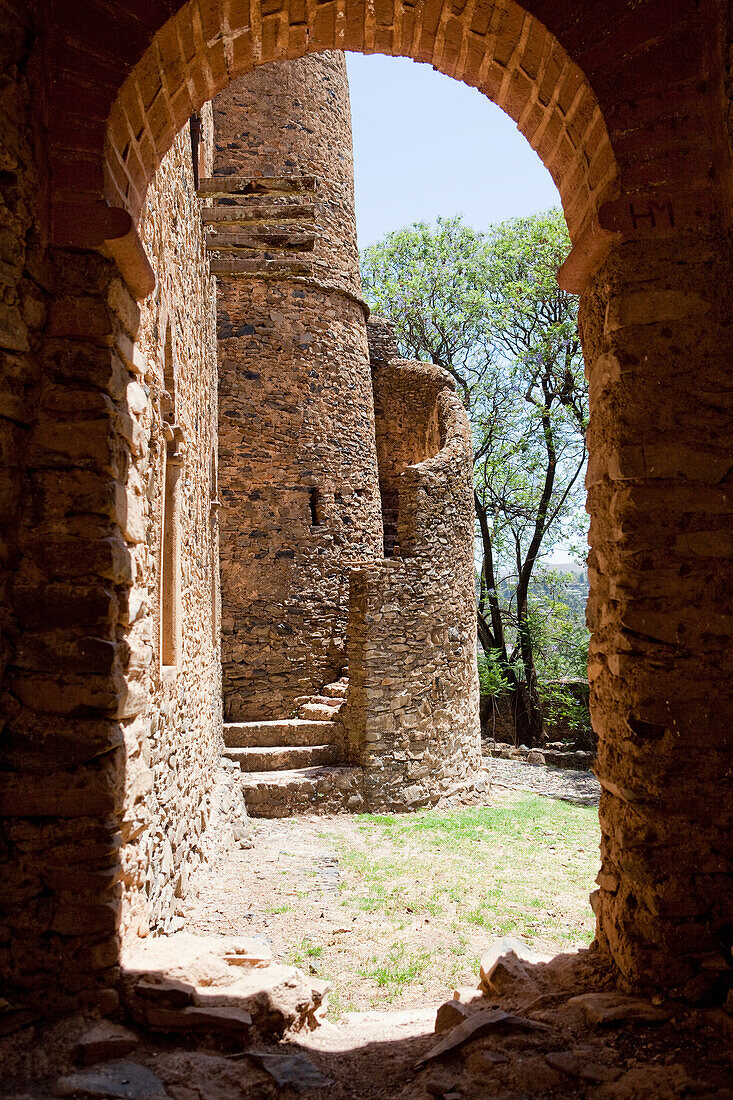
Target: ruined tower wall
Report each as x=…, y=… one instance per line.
x=412, y=711
x=298, y=469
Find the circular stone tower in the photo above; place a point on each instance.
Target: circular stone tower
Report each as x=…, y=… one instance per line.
x=297, y=457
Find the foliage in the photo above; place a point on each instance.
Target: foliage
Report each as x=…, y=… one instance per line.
x=491, y=678
x=557, y=625
x=432, y=284
x=487, y=308
x=565, y=711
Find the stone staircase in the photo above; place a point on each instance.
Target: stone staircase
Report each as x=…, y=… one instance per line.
x=293, y=765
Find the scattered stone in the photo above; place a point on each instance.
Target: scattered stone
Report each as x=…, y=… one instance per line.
x=166, y=992
x=649, y=1083
x=294, y=1070
x=249, y=952
x=117, y=1079
x=195, y=1075
x=441, y=1089
x=104, y=1041
x=220, y=1020
x=481, y=1023
x=277, y=998
x=467, y=994
x=614, y=1008
x=505, y=965
x=569, y=784
x=481, y=1061
x=449, y=1015
x=573, y=1066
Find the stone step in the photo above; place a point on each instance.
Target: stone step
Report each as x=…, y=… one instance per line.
x=336, y=690
x=300, y=790
x=221, y=186
x=317, y=712
x=252, y=215
x=262, y=238
x=285, y=731
x=275, y=758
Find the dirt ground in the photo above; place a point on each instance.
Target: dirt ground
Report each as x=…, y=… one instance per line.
x=395, y=911
x=342, y=892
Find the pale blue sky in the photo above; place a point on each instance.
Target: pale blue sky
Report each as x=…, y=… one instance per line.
x=426, y=145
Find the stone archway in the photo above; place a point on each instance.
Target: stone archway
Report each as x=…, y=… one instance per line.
x=644, y=177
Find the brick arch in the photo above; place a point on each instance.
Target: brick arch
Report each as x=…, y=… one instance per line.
x=499, y=48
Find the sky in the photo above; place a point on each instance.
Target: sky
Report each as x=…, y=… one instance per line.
x=426, y=145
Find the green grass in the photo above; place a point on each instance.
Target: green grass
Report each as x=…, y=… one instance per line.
x=423, y=895
x=523, y=869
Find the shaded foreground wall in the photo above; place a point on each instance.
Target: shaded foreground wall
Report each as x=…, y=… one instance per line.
x=111, y=797
x=654, y=130
x=656, y=330
x=176, y=802
x=298, y=469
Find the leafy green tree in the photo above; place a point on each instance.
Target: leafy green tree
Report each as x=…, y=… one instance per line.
x=487, y=308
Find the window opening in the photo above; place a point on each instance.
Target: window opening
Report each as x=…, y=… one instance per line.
x=195, y=128
x=315, y=501
x=170, y=551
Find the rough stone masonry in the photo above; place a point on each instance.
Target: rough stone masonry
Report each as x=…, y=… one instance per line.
x=345, y=536
x=629, y=109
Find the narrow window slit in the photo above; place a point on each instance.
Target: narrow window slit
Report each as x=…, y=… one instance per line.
x=315, y=502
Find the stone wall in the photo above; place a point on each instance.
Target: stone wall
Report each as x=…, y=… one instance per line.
x=298, y=470
x=657, y=339
x=173, y=744
x=111, y=790
x=411, y=716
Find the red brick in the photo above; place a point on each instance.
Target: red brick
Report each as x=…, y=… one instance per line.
x=481, y=18
x=551, y=76
x=242, y=53
x=507, y=38
x=384, y=12
x=384, y=41
x=534, y=49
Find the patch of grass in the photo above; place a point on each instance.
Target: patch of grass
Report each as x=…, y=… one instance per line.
x=301, y=953
x=424, y=894
x=401, y=967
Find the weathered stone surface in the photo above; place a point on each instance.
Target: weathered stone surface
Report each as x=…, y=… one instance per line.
x=163, y=991
x=507, y=964
x=181, y=809
x=479, y=1023
x=117, y=1079
x=613, y=1008
x=450, y=1014
x=219, y=1019
x=292, y=1070
x=277, y=998
x=297, y=465
x=167, y=978
x=103, y=1041
x=574, y=1065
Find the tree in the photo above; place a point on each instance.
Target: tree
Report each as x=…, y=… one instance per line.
x=487, y=308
